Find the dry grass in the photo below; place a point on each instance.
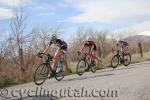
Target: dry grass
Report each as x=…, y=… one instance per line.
x=13, y=76
x=10, y=73
x=106, y=62
x=137, y=57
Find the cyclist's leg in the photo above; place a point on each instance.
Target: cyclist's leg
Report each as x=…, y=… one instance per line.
x=121, y=49
x=56, y=56
x=93, y=55
x=63, y=51
x=125, y=49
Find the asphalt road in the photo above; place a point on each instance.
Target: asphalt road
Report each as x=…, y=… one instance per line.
x=123, y=83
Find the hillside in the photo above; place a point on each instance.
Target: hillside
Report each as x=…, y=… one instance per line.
x=138, y=38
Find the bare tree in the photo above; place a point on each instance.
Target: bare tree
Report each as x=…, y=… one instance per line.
x=100, y=38
x=113, y=37
x=3, y=52
x=124, y=33
x=81, y=34
x=18, y=25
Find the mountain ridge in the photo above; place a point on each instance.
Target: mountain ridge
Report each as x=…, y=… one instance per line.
x=137, y=38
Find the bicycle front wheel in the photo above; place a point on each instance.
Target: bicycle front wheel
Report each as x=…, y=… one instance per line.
x=41, y=74
x=115, y=61
x=94, y=65
x=126, y=59
x=81, y=66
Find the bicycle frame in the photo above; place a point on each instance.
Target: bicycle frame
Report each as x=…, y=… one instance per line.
x=119, y=56
x=88, y=65
x=48, y=71
x=47, y=61
x=85, y=59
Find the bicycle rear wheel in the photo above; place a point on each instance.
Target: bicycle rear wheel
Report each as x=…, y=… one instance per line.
x=41, y=74
x=61, y=73
x=81, y=66
x=126, y=59
x=94, y=65
x=115, y=61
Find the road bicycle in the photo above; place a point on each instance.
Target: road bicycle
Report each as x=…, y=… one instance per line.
x=44, y=70
x=121, y=58
x=85, y=65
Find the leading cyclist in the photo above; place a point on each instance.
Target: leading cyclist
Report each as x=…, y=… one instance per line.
x=61, y=49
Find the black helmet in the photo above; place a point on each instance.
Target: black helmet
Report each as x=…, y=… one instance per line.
x=122, y=41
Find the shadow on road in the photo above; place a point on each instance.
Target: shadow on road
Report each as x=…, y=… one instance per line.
x=133, y=66
x=34, y=98
x=118, y=68
x=102, y=71
x=88, y=77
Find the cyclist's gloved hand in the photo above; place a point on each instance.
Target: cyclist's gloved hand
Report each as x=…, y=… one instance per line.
x=79, y=52
x=40, y=55
x=112, y=49
x=117, y=44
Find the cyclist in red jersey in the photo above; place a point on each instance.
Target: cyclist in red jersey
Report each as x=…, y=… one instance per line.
x=89, y=43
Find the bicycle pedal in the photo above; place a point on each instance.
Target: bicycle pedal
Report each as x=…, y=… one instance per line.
x=49, y=76
x=87, y=69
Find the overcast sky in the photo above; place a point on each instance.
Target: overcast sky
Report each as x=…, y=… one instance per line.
x=112, y=15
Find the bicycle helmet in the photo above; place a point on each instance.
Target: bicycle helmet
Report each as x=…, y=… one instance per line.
x=88, y=38
x=53, y=37
x=121, y=41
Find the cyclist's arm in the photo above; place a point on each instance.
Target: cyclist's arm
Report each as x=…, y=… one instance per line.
x=46, y=49
x=119, y=47
x=91, y=49
x=82, y=48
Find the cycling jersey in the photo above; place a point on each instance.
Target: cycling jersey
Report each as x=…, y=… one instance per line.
x=60, y=43
x=90, y=44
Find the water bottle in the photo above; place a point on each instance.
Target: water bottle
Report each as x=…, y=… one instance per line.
x=59, y=66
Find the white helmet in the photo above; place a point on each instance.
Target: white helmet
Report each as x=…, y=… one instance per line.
x=88, y=38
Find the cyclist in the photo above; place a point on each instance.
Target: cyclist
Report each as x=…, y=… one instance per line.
x=123, y=46
x=62, y=48
x=89, y=43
